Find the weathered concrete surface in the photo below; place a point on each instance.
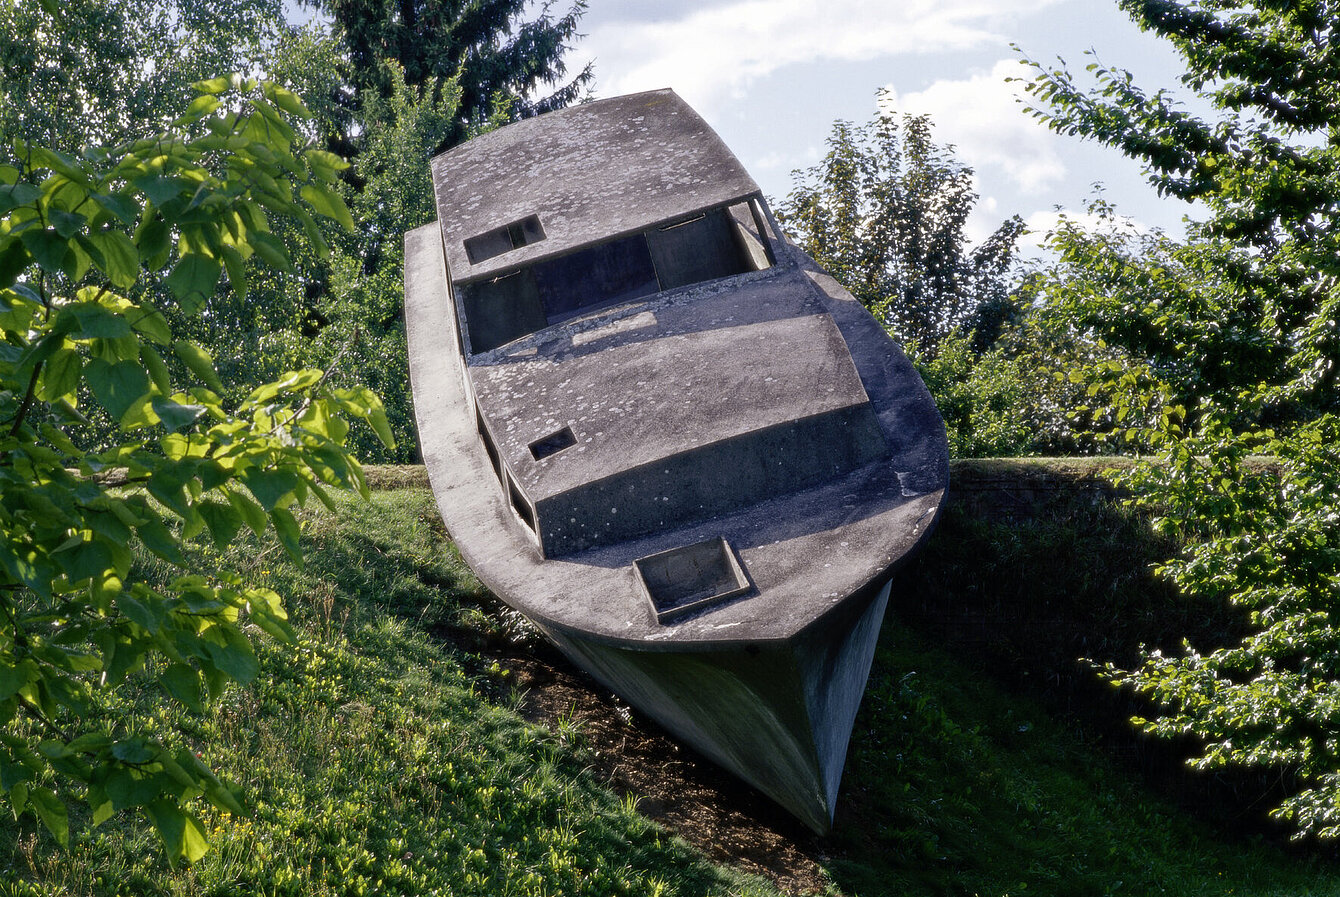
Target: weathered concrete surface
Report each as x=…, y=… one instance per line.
x=589, y=173
x=804, y=552
x=780, y=724
x=719, y=399
x=778, y=716
x=766, y=409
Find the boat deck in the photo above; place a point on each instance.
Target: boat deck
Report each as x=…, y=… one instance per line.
x=801, y=554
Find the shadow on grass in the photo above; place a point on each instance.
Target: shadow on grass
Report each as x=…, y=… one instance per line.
x=989, y=758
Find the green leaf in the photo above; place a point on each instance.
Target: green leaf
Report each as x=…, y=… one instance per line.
x=158, y=372
x=122, y=208
x=235, y=658
x=324, y=163
x=181, y=834
x=120, y=259
x=60, y=376
x=160, y=540
x=92, y=320
x=223, y=521
x=199, y=362
x=154, y=239
x=200, y=107
x=212, y=86
x=377, y=418
x=147, y=613
x=329, y=203
x=267, y=612
x=14, y=260
x=287, y=528
x=14, y=195
x=272, y=488
x=66, y=166
x=194, y=279
x=175, y=416
x=87, y=560
x=286, y=100
x=48, y=248
x=51, y=810
x=313, y=232
x=162, y=189
x=39, y=352
x=29, y=567
x=183, y=683
x=13, y=678
x=134, y=751
x=117, y=387
x=271, y=250
x=237, y=271
x=67, y=224
x=151, y=323
x=252, y=513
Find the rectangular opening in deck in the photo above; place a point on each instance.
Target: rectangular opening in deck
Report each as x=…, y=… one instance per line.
x=485, y=246
x=552, y=444
x=691, y=578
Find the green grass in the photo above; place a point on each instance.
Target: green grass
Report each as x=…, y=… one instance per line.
x=373, y=756
x=383, y=753
x=963, y=787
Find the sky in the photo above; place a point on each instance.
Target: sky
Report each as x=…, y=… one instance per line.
x=771, y=77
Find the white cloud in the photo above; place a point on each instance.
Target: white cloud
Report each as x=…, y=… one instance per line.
x=981, y=116
x=713, y=53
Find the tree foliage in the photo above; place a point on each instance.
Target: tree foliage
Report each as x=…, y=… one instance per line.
x=1230, y=347
x=498, y=58
x=101, y=72
x=884, y=212
x=81, y=238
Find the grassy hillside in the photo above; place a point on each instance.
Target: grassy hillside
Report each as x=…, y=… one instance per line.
x=416, y=741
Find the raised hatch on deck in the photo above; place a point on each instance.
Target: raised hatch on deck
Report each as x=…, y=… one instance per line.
x=692, y=578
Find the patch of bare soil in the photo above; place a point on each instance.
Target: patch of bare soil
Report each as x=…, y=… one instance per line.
x=722, y=817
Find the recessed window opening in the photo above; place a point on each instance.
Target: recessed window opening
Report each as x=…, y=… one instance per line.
x=493, y=243
x=520, y=505
x=489, y=448
x=552, y=444
x=710, y=245
x=602, y=275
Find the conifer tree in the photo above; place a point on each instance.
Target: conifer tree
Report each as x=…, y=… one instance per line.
x=505, y=64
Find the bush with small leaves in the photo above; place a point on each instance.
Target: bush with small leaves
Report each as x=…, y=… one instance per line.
x=81, y=335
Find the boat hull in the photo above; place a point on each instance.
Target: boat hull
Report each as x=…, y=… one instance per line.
x=778, y=716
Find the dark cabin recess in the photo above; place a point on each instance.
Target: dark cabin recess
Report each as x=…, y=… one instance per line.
x=709, y=245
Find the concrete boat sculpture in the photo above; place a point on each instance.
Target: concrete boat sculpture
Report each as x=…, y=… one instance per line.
x=654, y=427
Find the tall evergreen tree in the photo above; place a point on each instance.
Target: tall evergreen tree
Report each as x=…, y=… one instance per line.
x=505, y=64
